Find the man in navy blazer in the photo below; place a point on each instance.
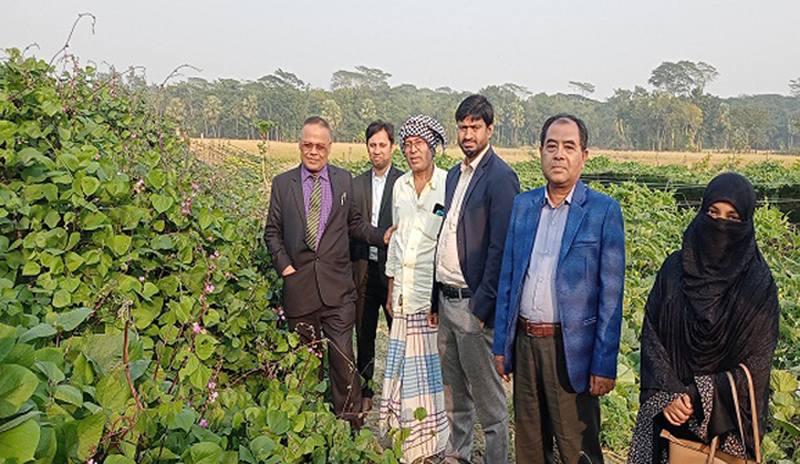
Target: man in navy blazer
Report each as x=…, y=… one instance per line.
x=559, y=303
x=479, y=193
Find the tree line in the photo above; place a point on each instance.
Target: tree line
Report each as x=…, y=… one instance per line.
x=674, y=112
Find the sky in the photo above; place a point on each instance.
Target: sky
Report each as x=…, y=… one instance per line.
x=464, y=45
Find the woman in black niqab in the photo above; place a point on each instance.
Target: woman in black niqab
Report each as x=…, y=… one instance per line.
x=713, y=306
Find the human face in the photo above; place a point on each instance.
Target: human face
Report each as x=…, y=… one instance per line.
x=473, y=135
x=315, y=146
x=563, y=157
x=723, y=210
x=380, y=150
x=418, y=154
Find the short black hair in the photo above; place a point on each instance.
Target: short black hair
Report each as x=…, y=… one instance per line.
x=476, y=106
x=377, y=126
x=584, y=133
x=318, y=121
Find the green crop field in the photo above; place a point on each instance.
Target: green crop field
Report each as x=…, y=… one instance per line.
x=141, y=321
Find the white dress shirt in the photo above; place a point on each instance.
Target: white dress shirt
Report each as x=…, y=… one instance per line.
x=448, y=266
x=378, y=186
x=410, y=258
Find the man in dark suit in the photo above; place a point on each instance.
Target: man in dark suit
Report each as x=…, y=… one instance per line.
x=559, y=303
x=310, y=221
x=479, y=193
x=372, y=193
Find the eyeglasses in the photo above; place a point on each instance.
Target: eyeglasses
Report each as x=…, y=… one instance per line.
x=419, y=144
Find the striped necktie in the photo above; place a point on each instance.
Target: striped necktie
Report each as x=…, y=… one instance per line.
x=314, y=210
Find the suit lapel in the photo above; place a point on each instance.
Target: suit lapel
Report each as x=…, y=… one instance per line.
x=531, y=219
x=479, y=172
x=391, y=176
x=367, y=186
x=450, y=188
x=574, y=219
x=296, y=187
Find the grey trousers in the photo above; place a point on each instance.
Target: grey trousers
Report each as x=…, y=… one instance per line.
x=546, y=407
x=471, y=384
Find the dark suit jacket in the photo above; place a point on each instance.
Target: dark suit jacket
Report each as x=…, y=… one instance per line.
x=590, y=280
x=325, y=276
x=482, y=226
x=362, y=194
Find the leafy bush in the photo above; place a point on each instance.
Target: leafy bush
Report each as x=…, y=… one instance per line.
x=138, y=321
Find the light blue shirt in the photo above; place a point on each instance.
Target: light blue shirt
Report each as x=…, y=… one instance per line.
x=538, y=302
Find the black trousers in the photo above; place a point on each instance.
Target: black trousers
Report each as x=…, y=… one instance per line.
x=372, y=294
x=336, y=326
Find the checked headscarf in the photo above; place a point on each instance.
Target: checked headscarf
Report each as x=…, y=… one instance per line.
x=427, y=128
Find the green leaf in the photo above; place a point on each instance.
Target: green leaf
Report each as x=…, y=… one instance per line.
x=69, y=394
x=783, y=381
x=161, y=203
x=18, y=420
x=48, y=445
x=38, y=331
x=52, y=219
x=73, y=261
x=92, y=221
x=20, y=442
x=420, y=413
x=118, y=459
x=112, y=392
x=205, y=453
x=157, y=178
x=149, y=290
x=229, y=457
x=204, y=346
x=71, y=319
x=8, y=335
x=17, y=384
x=61, y=299
x=183, y=420
x=262, y=447
x=90, y=430
x=120, y=244
x=278, y=422
x=31, y=268
x=51, y=371
x=89, y=185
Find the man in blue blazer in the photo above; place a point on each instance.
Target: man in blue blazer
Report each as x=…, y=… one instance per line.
x=559, y=303
x=479, y=193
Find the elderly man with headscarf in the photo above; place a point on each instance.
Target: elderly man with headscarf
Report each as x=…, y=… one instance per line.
x=413, y=378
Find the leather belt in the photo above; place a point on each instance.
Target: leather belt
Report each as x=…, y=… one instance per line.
x=453, y=293
x=539, y=330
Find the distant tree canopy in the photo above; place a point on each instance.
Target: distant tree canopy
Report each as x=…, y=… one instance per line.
x=677, y=114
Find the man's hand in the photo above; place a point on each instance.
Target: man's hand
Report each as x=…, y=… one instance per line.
x=680, y=410
x=481, y=324
x=387, y=237
x=499, y=361
x=599, y=386
x=288, y=271
x=433, y=320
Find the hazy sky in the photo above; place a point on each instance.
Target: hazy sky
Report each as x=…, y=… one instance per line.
x=465, y=45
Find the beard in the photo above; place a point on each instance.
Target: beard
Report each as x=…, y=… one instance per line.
x=472, y=152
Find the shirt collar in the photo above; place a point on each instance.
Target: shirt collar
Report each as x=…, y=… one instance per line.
x=475, y=162
x=385, y=173
x=305, y=174
x=567, y=200
x=434, y=182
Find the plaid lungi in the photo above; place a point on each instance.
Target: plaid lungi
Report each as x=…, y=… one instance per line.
x=412, y=380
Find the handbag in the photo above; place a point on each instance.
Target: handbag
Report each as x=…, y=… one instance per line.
x=682, y=451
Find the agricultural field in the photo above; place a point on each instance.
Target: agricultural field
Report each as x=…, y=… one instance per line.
x=348, y=152
x=141, y=320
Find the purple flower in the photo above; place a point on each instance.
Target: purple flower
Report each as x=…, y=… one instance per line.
x=141, y=279
x=203, y=423
x=213, y=396
x=196, y=328
x=97, y=156
x=196, y=186
x=209, y=288
x=211, y=384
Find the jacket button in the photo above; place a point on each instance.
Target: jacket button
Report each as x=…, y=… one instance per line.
x=316, y=258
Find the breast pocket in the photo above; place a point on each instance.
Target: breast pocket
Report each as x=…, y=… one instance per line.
x=431, y=224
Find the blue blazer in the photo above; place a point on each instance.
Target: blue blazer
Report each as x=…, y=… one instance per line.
x=482, y=226
x=589, y=281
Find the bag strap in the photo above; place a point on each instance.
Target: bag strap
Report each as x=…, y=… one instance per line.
x=735, y=395
x=753, y=410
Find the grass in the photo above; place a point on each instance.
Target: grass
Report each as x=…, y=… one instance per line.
x=355, y=151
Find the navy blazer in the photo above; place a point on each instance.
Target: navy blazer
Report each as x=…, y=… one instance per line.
x=482, y=225
x=589, y=281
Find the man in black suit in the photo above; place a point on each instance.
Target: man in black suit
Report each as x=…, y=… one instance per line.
x=310, y=221
x=372, y=192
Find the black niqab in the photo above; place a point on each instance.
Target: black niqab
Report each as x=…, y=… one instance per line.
x=714, y=305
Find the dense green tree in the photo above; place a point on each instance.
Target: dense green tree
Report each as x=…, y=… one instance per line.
x=683, y=78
